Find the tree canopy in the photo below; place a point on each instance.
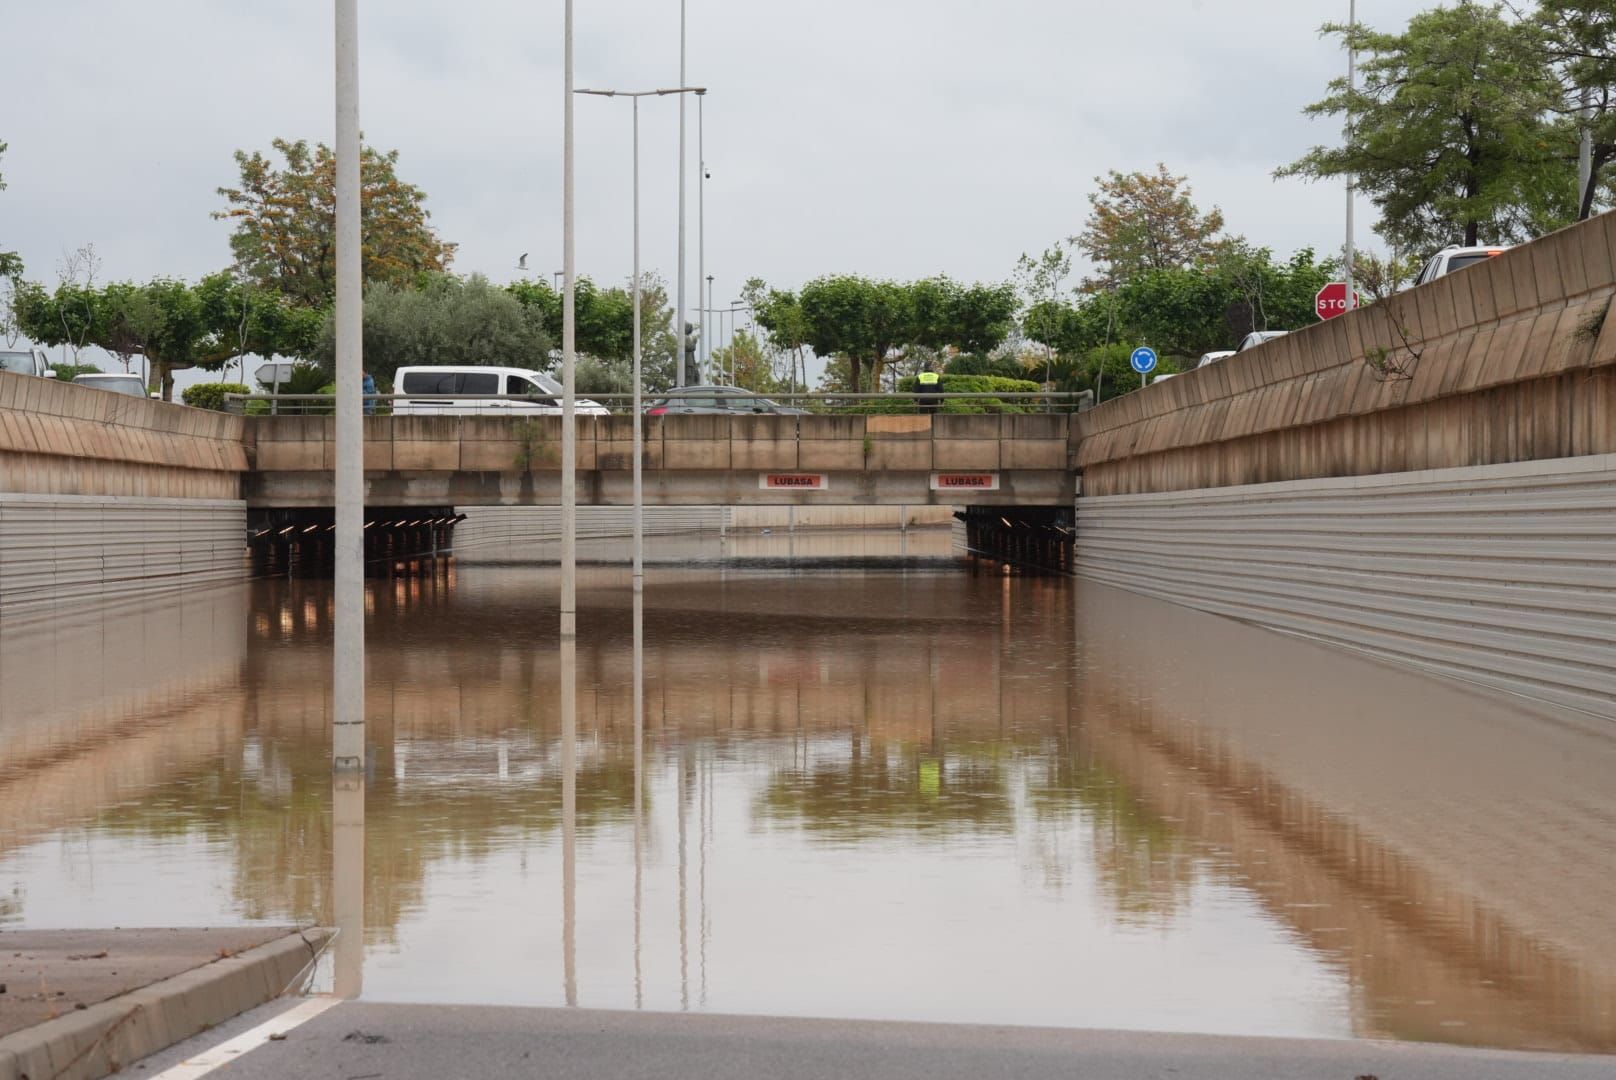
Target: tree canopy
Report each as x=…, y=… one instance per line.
x=1450, y=135
x=869, y=323
x=1144, y=221
x=285, y=222
x=1579, y=37
x=604, y=326
x=447, y=320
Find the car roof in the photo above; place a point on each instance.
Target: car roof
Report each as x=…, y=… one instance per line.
x=468, y=368
x=95, y=376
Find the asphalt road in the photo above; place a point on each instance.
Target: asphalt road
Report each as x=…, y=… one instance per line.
x=434, y=1042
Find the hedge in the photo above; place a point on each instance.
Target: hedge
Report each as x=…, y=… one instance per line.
x=211, y=395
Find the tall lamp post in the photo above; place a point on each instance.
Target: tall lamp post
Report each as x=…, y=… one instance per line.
x=1352, y=73
x=348, y=629
x=639, y=420
x=704, y=347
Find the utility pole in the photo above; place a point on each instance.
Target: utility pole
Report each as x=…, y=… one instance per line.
x=1352, y=74
x=679, y=327
x=1585, y=159
x=704, y=348
x=569, y=338
x=348, y=624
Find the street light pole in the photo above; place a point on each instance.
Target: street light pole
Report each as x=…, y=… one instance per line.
x=569, y=338
x=1352, y=63
x=679, y=328
x=639, y=418
x=704, y=343
x=348, y=624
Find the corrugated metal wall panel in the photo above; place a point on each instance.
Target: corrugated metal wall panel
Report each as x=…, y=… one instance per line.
x=57, y=551
x=1503, y=575
x=496, y=525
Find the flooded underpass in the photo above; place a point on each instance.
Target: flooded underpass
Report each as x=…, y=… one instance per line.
x=875, y=782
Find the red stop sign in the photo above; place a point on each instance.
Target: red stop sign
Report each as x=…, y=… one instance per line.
x=1332, y=300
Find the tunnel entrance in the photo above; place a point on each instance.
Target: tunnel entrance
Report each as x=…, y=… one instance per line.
x=299, y=542
x=1040, y=538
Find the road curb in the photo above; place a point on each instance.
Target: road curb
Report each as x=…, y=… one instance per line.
x=88, y=1044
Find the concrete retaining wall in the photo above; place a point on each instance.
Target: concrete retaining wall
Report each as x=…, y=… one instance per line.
x=58, y=551
x=1510, y=360
x=1502, y=575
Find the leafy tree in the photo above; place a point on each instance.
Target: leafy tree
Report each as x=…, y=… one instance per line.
x=449, y=320
x=1448, y=130
x=243, y=319
x=285, y=222
x=748, y=358
x=605, y=324
x=780, y=315
x=1144, y=221
x=10, y=261
x=1580, y=41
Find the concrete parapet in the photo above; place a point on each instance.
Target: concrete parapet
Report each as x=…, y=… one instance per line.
x=1530, y=326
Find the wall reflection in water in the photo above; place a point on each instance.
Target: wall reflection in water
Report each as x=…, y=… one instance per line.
x=922, y=795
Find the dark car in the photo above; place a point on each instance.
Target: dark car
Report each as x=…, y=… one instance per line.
x=717, y=401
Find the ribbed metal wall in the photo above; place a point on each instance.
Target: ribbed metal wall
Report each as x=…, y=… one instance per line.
x=58, y=551
x=1503, y=575
x=498, y=525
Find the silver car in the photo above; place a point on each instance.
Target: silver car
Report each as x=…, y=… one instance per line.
x=718, y=401
x=115, y=382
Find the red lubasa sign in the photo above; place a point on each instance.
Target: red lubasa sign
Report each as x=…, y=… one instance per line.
x=795, y=481
x=965, y=482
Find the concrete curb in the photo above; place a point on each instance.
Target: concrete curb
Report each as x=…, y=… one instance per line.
x=91, y=1043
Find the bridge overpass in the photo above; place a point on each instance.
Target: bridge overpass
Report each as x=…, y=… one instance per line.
x=461, y=461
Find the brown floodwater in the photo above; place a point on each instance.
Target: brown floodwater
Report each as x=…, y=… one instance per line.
x=909, y=787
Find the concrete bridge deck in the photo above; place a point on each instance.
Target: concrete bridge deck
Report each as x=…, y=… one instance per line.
x=1009, y=459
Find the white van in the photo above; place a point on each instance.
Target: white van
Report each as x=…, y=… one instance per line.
x=458, y=391
x=27, y=362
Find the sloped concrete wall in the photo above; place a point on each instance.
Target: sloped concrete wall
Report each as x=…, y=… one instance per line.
x=1510, y=360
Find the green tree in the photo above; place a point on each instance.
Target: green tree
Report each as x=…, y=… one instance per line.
x=780, y=315
x=1144, y=221
x=243, y=320
x=448, y=320
x=605, y=324
x=749, y=359
x=1449, y=135
x=1580, y=40
x=10, y=261
x=285, y=222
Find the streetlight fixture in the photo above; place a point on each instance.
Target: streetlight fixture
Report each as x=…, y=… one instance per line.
x=639, y=420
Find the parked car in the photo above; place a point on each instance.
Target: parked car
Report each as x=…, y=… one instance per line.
x=1164, y=376
x=117, y=382
x=26, y=362
x=1257, y=337
x=457, y=391
x=718, y=401
x=1453, y=257
x=1214, y=357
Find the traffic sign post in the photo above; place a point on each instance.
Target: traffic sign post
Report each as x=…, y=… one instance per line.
x=1144, y=362
x=1332, y=300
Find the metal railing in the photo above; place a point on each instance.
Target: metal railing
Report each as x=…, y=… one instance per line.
x=819, y=403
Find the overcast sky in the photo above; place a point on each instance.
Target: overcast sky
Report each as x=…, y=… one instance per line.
x=897, y=138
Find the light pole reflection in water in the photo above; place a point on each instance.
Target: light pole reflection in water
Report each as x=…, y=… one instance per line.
x=639, y=788
x=348, y=880
x=569, y=817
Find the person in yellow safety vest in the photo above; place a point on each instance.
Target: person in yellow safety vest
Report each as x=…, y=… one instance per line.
x=931, y=388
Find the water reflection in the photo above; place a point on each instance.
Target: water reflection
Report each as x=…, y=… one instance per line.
x=918, y=795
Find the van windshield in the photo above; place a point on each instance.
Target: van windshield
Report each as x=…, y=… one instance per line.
x=17, y=361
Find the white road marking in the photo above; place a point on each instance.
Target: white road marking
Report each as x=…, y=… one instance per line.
x=232, y=1049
